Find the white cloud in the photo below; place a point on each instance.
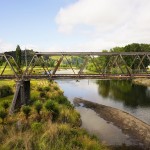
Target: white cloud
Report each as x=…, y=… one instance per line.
x=111, y=22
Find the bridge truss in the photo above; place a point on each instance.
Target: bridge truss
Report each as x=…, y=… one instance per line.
x=48, y=65
x=108, y=65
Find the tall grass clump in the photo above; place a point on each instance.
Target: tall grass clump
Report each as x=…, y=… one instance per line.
x=52, y=108
x=47, y=88
x=5, y=90
x=38, y=107
x=61, y=99
x=43, y=95
x=70, y=116
x=26, y=110
x=39, y=89
x=56, y=88
x=36, y=127
x=3, y=115
x=5, y=105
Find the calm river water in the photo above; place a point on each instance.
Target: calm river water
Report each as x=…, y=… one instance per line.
x=123, y=95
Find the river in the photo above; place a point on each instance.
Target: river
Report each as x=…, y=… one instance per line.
x=124, y=95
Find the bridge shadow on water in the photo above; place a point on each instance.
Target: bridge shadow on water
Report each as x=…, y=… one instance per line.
x=125, y=91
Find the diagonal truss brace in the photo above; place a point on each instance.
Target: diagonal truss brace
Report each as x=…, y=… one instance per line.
x=95, y=64
x=141, y=62
x=125, y=65
x=83, y=65
x=69, y=64
x=57, y=65
x=12, y=68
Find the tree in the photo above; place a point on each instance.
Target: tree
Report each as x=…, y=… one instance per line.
x=18, y=56
x=135, y=47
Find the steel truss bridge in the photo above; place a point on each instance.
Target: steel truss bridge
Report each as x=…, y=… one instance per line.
x=137, y=68
x=108, y=65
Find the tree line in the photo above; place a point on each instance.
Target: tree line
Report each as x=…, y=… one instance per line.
x=23, y=57
x=134, y=47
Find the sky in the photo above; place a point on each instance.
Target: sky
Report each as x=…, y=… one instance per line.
x=73, y=25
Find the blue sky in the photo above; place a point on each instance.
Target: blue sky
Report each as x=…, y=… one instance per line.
x=73, y=25
x=30, y=22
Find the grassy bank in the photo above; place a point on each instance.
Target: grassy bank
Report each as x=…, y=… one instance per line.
x=142, y=81
x=49, y=122
x=6, y=90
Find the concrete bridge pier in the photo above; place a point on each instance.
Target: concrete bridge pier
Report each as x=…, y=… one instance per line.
x=21, y=95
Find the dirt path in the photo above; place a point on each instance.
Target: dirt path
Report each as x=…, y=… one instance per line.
x=125, y=121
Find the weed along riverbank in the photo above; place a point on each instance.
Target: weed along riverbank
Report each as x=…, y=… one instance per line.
x=142, y=81
x=49, y=122
x=126, y=122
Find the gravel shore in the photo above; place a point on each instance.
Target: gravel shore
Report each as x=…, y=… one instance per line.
x=125, y=121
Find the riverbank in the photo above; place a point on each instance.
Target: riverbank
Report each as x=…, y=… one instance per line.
x=48, y=122
x=142, y=81
x=128, y=123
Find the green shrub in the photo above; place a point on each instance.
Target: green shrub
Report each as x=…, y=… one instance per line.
x=47, y=88
x=5, y=91
x=53, y=108
x=26, y=110
x=61, y=99
x=39, y=89
x=5, y=105
x=43, y=95
x=3, y=114
x=70, y=116
x=49, y=105
x=32, y=100
x=38, y=107
x=76, y=143
x=56, y=88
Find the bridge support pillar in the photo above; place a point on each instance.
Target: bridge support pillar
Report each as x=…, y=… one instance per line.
x=21, y=95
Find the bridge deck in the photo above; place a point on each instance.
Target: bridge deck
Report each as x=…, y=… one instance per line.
x=92, y=53
x=82, y=76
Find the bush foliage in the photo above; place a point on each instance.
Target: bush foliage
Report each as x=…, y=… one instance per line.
x=5, y=90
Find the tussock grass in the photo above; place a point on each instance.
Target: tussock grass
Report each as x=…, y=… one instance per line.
x=52, y=136
x=39, y=130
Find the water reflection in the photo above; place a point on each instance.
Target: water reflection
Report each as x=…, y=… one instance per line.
x=118, y=94
x=125, y=91
x=122, y=95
